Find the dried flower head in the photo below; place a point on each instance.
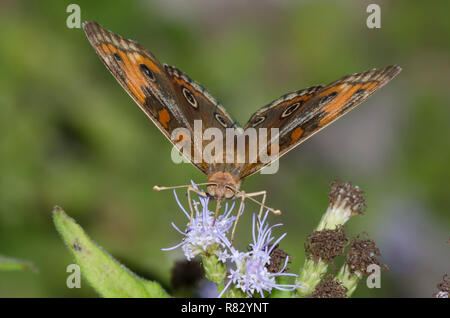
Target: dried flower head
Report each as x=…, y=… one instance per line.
x=326, y=244
x=347, y=196
x=329, y=288
x=443, y=287
x=362, y=253
x=278, y=258
x=345, y=200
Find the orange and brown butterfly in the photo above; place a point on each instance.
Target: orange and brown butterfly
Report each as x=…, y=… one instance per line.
x=172, y=100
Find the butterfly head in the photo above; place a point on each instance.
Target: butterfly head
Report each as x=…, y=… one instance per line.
x=222, y=186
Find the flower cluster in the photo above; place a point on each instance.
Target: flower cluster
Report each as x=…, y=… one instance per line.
x=249, y=271
x=262, y=268
x=202, y=234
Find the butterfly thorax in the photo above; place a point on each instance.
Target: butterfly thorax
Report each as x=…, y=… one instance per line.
x=223, y=185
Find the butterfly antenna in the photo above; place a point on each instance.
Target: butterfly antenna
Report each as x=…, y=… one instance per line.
x=161, y=188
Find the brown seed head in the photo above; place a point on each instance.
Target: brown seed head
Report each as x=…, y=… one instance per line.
x=326, y=244
x=363, y=253
x=329, y=288
x=277, y=260
x=349, y=195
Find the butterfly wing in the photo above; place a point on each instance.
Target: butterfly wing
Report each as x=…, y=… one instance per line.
x=211, y=114
x=301, y=114
x=172, y=100
x=167, y=96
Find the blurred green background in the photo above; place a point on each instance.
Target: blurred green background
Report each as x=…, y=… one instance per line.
x=71, y=136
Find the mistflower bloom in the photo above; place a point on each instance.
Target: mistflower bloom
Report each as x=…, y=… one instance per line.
x=345, y=200
x=201, y=237
x=251, y=273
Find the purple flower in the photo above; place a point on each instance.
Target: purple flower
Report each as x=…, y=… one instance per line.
x=251, y=274
x=200, y=235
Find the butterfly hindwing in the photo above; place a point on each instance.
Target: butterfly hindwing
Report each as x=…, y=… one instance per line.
x=203, y=105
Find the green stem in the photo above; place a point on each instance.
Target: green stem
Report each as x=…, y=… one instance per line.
x=14, y=264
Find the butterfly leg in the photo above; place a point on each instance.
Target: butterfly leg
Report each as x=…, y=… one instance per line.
x=190, y=188
x=262, y=203
x=242, y=194
x=250, y=196
x=201, y=193
x=216, y=214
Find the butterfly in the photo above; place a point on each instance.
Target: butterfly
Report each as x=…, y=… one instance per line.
x=172, y=101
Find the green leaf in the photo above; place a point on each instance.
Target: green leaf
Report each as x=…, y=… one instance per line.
x=154, y=289
x=105, y=274
x=14, y=264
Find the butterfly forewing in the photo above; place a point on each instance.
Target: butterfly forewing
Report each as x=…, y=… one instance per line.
x=169, y=97
x=140, y=74
x=301, y=114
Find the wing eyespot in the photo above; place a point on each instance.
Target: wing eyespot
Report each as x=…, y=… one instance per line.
x=291, y=109
x=189, y=97
x=220, y=119
x=258, y=121
x=117, y=57
x=146, y=71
